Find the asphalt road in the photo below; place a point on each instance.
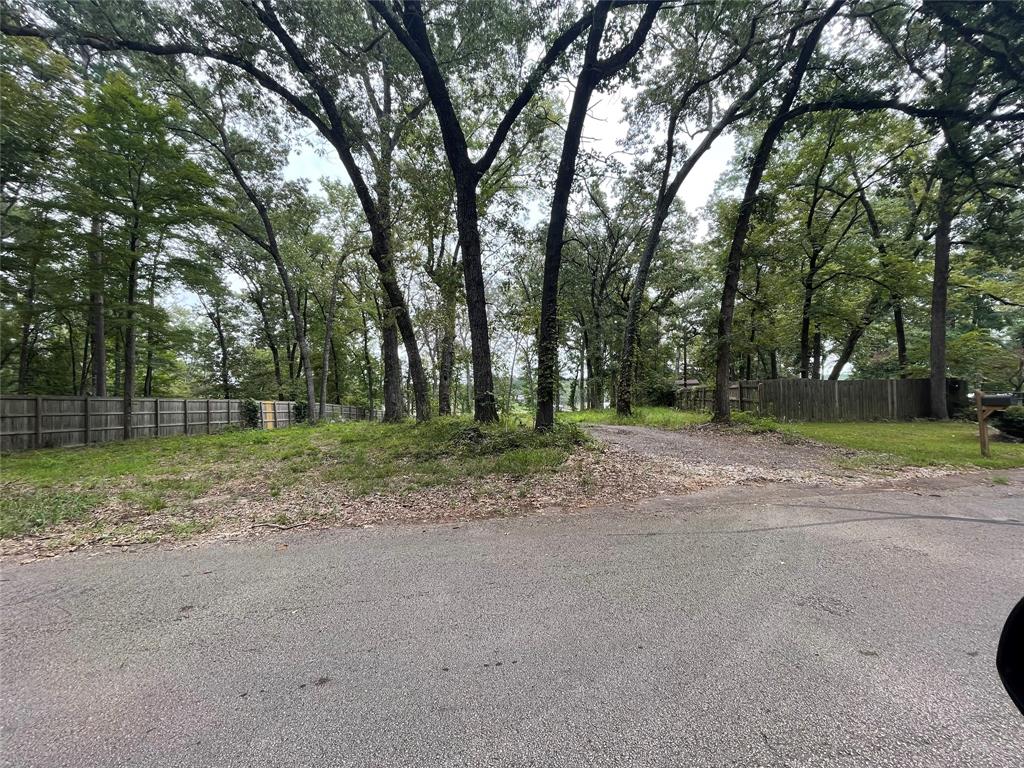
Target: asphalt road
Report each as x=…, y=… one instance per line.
x=749, y=628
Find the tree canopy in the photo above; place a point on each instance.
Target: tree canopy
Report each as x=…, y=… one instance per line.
x=491, y=208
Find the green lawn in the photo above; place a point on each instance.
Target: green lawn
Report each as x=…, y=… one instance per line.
x=903, y=444
x=662, y=418
x=916, y=443
x=42, y=488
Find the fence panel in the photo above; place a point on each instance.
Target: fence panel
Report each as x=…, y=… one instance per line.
x=28, y=422
x=853, y=400
x=820, y=400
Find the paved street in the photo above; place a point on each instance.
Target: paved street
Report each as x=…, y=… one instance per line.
x=749, y=627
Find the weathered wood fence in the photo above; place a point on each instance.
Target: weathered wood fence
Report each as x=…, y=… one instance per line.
x=51, y=421
x=821, y=400
x=743, y=396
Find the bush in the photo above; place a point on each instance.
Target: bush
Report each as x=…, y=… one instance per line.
x=300, y=412
x=250, y=412
x=660, y=393
x=1011, y=421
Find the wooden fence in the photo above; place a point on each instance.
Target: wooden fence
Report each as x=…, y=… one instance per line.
x=820, y=400
x=47, y=421
x=743, y=396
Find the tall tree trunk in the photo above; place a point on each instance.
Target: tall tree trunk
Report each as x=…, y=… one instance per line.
x=367, y=361
x=300, y=334
x=27, y=324
x=511, y=376
x=328, y=333
x=222, y=342
x=129, y=338
x=592, y=73
x=901, y=335
x=573, y=388
x=96, y=312
x=336, y=368
x=805, y=314
x=485, y=408
x=447, y=358
x=409, y=27
x=817, y=360
x=270, y=245
x=403, y=323
x=83, y=382
x=393, y=410
x=379, y=218
x=582, y=390
x=547, y=351
x=74, y=357
x=593, y=401
x=147, y=381
x=734, y=261
x=940, y=286
x=118, y=346
x=147, y=387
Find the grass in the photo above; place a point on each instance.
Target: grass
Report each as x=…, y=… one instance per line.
x=915, y=443
x=41, y=489
x=661, y=418
x=37, y=511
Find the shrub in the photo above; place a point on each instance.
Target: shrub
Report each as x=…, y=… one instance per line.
x=250, y=412
x=660, y=392
x=1011, y=421
x=300, y=412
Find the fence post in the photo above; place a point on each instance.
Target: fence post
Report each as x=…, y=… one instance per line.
x=156, y=417
x=209, y=427
x=39, y=421
x=760, y=398
x=88, y=418
x=184, y=403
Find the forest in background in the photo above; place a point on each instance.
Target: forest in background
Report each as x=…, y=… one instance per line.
x=482, y=257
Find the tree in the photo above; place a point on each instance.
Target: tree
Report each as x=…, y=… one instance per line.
x=710, y=63
x=129, y=166
x=316, y=64
x=757, y=168
x=411, y=30
x=593, y=72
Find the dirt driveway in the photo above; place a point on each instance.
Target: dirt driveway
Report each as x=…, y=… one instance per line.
x=710, y=456
x=712, y=446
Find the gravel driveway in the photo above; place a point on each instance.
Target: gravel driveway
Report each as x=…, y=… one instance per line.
x=711, y=445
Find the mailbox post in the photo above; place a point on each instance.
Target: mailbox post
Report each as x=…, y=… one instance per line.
x=986, y=405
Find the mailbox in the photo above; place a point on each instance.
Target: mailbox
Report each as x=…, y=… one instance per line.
x=1002, y=401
